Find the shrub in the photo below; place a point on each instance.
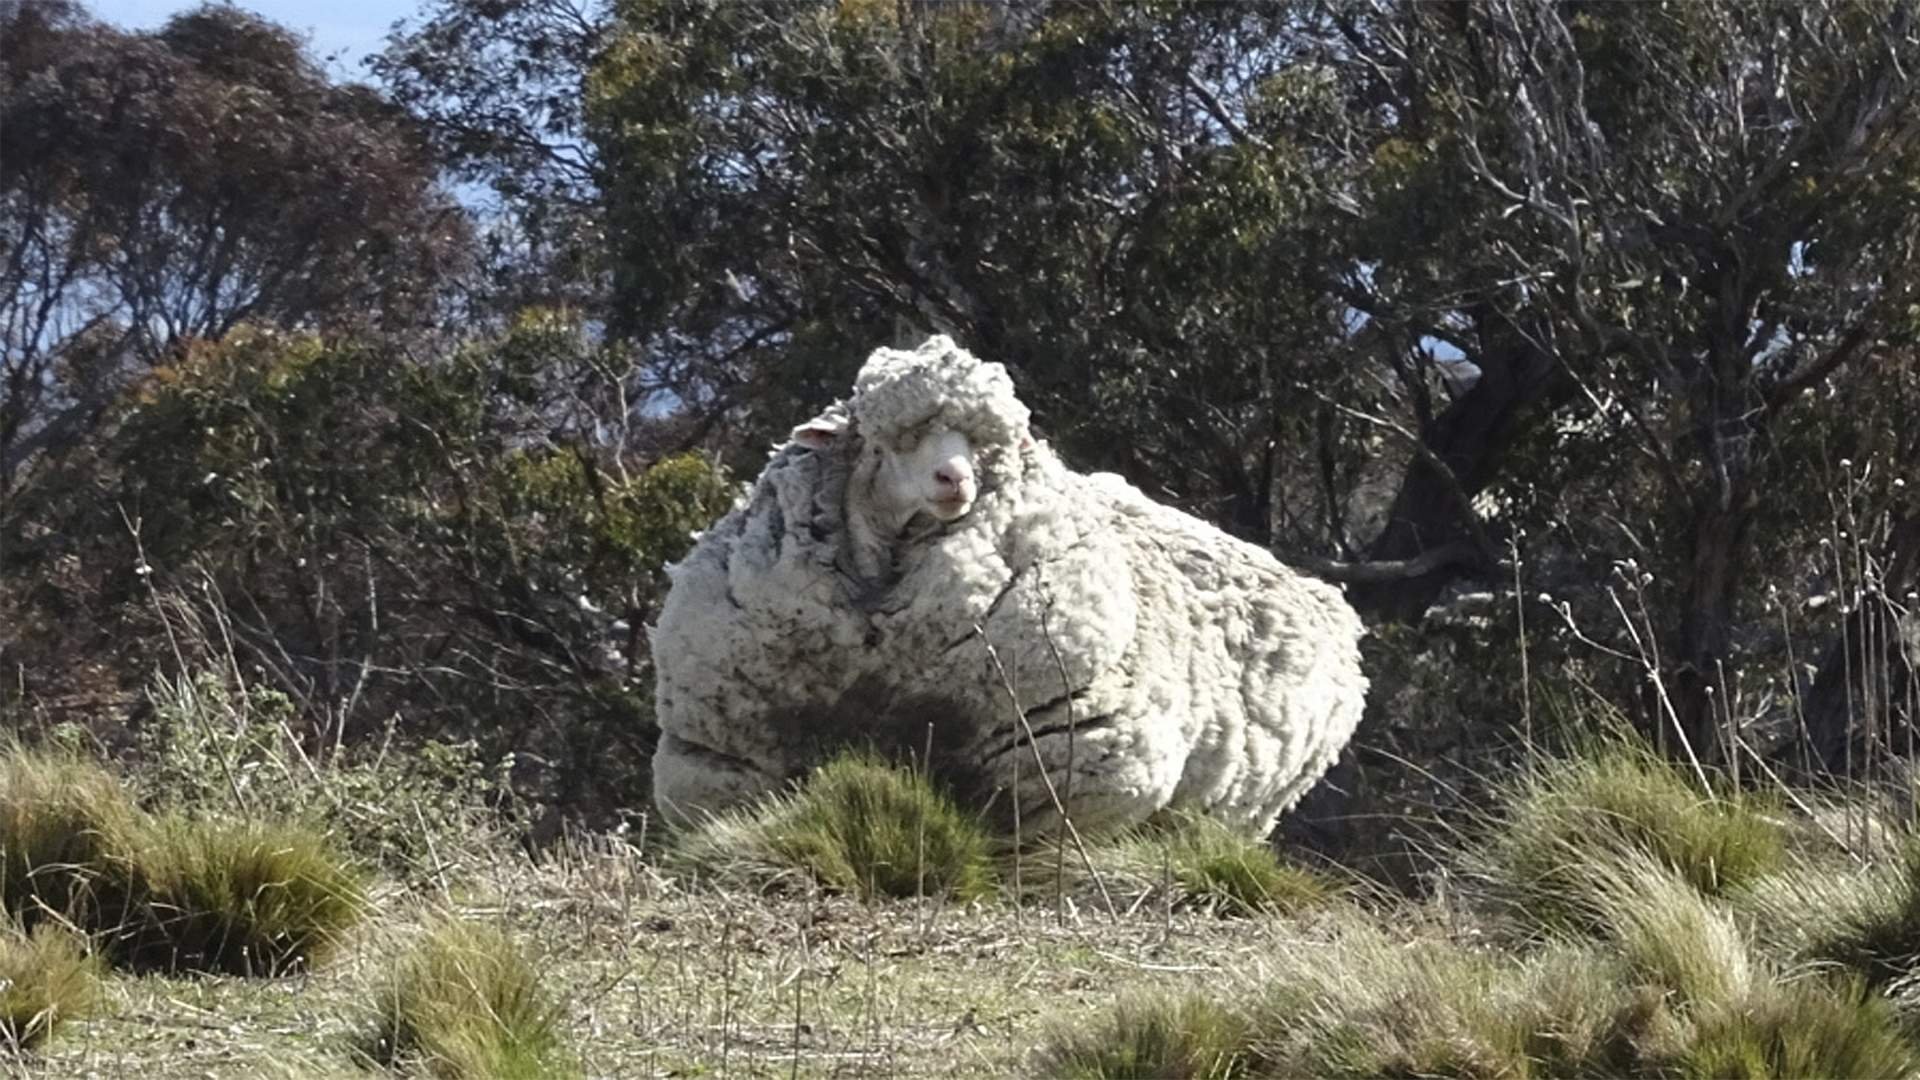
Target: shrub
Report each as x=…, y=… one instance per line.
x=46, y=977
x=1616, y=797
x=1149, y=1038
x=466, y=1004
x=857, y=825
x=208, y=735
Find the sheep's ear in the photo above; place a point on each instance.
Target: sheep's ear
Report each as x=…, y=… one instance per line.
x=819, y=433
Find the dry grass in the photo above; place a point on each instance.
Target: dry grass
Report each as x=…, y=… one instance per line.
x=1186, y=861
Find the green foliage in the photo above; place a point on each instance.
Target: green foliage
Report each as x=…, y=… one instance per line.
x=47, y=977
x=167, y=891
x=1618, y=798
x=857, y=825
x=431, y=548
x=1152, y=1038
x=1806, y=1028
x=466, y=1005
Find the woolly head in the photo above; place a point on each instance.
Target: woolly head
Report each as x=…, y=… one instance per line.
x=938, y=426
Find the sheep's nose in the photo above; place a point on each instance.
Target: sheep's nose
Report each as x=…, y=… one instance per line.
x=953, y=475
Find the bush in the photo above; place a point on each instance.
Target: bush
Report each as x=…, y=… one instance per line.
x=1618, y=797
x=168, y=891
x=858, y=826
x=466, y=1004
x=208, y=736
x=46, y=977
x=1150, y=1038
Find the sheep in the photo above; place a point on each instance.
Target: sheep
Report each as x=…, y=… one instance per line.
x=914, y=567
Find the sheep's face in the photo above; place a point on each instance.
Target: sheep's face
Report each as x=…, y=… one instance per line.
x=928, y=469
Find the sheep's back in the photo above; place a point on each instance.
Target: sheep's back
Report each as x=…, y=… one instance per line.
x=1258, y=666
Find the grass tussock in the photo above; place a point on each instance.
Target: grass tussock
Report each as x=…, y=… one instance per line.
x=242, y=898
x=1161, y=1037
x=1863, y=918
x=166, y=892
x=1810, y=1028
x=465, y=1004
x=47, y=977
x=1368, y=1003
x=1619, y=797
x=858, y=825
x=67, y=834
x=1205, y=864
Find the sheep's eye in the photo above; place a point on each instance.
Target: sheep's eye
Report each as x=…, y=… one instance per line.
x=907, y=443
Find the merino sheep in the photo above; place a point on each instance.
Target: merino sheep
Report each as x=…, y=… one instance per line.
x=913, y=567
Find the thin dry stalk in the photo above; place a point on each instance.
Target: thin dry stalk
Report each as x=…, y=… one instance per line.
x=1079, y=845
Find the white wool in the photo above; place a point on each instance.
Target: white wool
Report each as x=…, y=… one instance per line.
x=1157, y=661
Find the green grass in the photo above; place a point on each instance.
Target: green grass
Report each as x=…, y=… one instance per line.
x=166, y=892
x=67, y=834
x=242, y=898
x=1802, y=1029
x=856, y=826
x=1864, y=918
x=1618, y=796
x=1207, y=865
x=1670, y=934
x=1162, y=1037
x=47, y=977
x=466, y=1005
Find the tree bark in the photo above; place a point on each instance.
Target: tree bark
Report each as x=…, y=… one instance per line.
x=1866, y=672
x=1471, y=436
x=1718, y=561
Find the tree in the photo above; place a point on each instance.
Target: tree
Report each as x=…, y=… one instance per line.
x=1680, y=219
x=158, y=188
x=500, y=86
x=1061, y=186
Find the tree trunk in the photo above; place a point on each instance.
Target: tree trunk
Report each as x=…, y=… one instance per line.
x=1472, y=436
x=1866, y=675
x=1717, y=563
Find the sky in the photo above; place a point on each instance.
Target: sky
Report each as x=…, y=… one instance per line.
x=349, y=30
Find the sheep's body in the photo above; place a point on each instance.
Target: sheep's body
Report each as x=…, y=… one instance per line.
x=1156, y=661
